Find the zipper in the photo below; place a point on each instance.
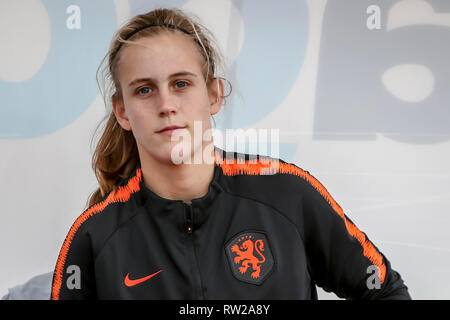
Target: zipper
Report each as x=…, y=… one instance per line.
x=198, y=291
x=189, y=221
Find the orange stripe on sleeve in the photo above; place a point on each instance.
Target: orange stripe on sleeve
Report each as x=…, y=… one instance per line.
x=122, y=194
x=262, y=167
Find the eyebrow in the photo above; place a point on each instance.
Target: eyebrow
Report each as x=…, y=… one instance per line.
x=178, y=74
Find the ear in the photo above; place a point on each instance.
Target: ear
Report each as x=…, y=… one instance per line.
x=215, y=92
x=120, y=112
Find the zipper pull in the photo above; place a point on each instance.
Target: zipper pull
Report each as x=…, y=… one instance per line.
x=189, y=226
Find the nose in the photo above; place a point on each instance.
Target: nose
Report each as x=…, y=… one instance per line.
x=167, y=103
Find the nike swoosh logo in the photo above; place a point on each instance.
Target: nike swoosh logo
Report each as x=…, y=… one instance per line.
x=132, y=282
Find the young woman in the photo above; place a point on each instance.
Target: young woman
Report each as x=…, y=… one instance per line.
x=163, y=226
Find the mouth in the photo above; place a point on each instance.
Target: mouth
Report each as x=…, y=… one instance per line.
x=169, y=130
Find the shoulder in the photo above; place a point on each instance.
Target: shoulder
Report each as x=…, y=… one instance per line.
x=101, y=219
x=283, y=186
x=271, y=180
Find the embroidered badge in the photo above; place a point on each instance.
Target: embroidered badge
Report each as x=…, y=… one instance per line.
x=250, y=257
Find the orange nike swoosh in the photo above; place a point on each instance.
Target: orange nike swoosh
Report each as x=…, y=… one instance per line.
x=130, y=283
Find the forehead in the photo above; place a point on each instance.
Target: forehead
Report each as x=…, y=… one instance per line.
x=158, y=56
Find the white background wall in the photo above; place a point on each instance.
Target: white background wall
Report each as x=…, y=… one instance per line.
x=395, y=185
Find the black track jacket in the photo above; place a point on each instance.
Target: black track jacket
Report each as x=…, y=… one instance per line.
x=266, y=229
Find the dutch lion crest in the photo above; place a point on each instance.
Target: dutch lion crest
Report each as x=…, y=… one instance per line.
x=250, y=257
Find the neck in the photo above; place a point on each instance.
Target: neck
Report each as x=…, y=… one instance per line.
x=177, y=182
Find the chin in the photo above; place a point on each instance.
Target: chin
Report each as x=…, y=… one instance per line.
x=173, y=153
x=181, y=155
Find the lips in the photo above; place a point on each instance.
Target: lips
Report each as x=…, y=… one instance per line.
x=170, y=128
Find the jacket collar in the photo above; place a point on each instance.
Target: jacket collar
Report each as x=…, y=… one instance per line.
x=167, y=207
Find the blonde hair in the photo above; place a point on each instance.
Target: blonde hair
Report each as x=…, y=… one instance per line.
x=116, y=154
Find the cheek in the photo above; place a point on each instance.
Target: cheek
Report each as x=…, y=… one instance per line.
x=140, y=119
x=198, y=107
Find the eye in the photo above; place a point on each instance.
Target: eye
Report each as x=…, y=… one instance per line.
x=144, y=90
x=181, y=84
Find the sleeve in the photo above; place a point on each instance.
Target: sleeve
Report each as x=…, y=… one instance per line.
x=74, y=274
x=341, y=258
